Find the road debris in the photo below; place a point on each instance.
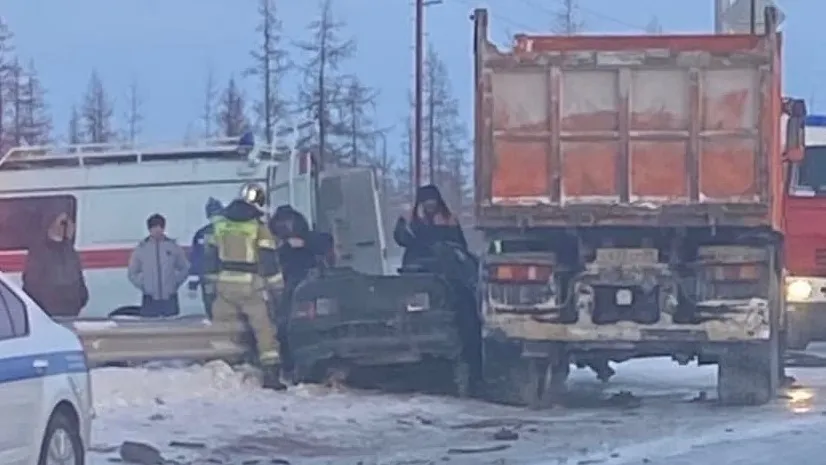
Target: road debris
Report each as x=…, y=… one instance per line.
x=478, y=450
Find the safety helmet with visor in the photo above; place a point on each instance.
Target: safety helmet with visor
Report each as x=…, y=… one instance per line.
x=254, y=194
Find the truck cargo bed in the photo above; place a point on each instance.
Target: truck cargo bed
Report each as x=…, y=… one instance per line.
x=627, y=130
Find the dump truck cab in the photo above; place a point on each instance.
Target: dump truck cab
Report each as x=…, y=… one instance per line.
x=630, y=189
x=805, y=242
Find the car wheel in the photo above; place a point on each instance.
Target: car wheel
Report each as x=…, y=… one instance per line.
x=61, y=443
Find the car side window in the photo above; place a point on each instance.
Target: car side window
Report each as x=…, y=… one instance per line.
x=15, y=310
x=6, y=327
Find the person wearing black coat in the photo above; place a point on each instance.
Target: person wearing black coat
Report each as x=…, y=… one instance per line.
x=301, y=248
x=430, y=230
x=300, y=251
x=430, y=222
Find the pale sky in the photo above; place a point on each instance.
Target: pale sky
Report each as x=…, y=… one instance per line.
x=167, y=45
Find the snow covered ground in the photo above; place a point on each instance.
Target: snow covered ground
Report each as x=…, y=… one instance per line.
x=220, y=416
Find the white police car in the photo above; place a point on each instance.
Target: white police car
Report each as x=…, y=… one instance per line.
x=45, y=387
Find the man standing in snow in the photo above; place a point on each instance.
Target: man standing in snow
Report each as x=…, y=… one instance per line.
x=158, y=267
x=196, y=257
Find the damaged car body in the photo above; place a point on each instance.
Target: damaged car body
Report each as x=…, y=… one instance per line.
x=346, y=324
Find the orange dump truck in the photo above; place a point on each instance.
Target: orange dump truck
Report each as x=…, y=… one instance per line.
x=630, y=189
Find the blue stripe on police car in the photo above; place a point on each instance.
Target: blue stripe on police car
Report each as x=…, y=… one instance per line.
x=40, y=365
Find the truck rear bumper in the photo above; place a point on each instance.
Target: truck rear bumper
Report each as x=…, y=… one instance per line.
x=617, y=351
x=750, y=324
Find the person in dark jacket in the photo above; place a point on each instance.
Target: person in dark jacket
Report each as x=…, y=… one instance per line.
x=53, y=276
x=299, y=252
x=429, y=230
x=212, y=209
x=429, y=223
x=300, y=249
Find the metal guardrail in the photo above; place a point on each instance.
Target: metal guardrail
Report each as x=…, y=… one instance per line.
x=134, y=340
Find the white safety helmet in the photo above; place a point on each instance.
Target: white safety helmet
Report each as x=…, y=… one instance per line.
x=254, y=194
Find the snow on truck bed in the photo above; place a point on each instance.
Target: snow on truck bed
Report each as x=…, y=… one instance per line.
x=226, y=418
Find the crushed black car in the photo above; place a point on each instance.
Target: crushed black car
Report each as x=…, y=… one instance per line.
x=383, y=330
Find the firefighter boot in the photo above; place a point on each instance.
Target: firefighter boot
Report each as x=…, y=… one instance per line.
x=272, y=378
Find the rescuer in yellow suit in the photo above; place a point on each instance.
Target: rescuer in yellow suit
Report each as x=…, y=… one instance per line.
x=241, y=258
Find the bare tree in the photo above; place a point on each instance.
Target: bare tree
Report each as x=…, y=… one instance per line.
x=383, y=164
x=322, y=84
x=654, y=26
x=403, y=182
x=34, y=112
x=208, y=112
x=7, y=61
x=398, y=189
x=14, y=83
x=97, y=112
x=355, y=122
x=446, y=136
x=232, y=114
x=29, y=122
x=134, y=113
x=568, y=19
x=270, y=67
x=75, y=133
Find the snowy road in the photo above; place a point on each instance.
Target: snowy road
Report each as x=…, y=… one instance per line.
x=221, y=417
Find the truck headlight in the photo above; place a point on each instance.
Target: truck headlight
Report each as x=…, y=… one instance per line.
x=798, y=290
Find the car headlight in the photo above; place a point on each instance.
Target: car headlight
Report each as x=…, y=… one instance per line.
x=798, y=290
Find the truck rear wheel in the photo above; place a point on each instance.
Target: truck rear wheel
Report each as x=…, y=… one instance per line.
x=798, y=336
x=747, y=374
x=461, y=379
x=510, y=378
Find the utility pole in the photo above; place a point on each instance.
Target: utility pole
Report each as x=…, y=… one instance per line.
x=418, y=87
x=719, y=8
x=431, y=128
x=267, y=61
x=417, y=117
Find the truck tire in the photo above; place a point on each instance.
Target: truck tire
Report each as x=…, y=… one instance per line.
x=797, y=335
x=750, y=373
x=747, y=374
x=461, y=379
x=509, y=378
x=555, y=385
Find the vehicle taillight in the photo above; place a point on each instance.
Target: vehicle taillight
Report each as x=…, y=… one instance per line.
x=735, y=272
x=315, y=308
x=521, y=273
x=418, y=302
